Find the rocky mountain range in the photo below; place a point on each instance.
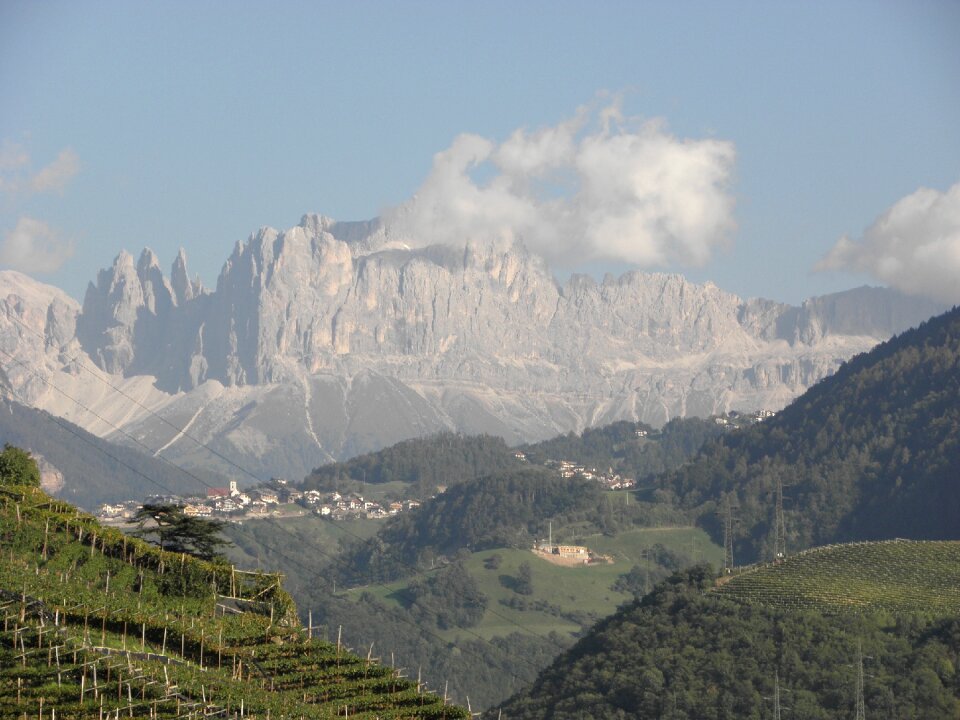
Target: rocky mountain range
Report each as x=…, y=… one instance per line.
x=330, y=339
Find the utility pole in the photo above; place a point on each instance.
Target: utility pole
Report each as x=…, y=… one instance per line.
x=780, y=541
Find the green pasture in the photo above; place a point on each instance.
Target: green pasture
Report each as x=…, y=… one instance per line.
x=575, y=597
x=627, y=547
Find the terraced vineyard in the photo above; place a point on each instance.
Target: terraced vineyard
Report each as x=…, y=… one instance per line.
x=895, y=575
x=98, y=624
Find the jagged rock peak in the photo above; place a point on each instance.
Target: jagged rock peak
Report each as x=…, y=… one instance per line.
x=148, y=261
x=158, y=295
x=37, y=327
x=184, y=289
x=118, y=291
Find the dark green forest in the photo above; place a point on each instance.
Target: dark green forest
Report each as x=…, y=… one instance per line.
x=423, y=463
x=447, y=459
x=682, y=652
x=618, y=446
x=871, y=452
x=499, y=511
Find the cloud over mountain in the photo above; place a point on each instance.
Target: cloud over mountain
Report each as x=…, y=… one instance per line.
x=914, y=246
x=17, y=175
x=34, y=246
x=596, y=186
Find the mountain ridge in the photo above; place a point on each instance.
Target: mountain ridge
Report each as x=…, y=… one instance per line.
x=377, y=342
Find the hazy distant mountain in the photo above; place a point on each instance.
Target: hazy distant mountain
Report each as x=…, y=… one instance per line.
x=329, y=339
x=89, y=471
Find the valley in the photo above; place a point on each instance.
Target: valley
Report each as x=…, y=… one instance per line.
x=479, y=361
x=451, y=584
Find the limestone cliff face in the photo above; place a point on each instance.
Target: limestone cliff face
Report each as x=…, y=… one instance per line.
x=338, y=339
x=136, y=321
x=37, y=334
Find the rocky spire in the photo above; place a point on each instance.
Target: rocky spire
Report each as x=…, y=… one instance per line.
x=183, y=288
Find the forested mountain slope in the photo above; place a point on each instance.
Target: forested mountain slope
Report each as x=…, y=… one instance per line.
x=635, y=450
x=422, y=463
x=684, y=652
x=871, y=452
x=425, y=464
x=503, y=510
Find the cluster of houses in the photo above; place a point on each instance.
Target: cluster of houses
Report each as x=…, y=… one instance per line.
x=334, y=506
x=263, y=500
x=119, y=511
x=609, y=479
x=232, y=502
x=734, y=419
x=228, y=501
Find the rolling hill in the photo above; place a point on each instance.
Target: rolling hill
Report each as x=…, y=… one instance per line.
x=686, y=651
x=894, y=575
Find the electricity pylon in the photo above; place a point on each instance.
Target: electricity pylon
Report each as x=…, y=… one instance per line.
x=861, y=710
x=780, y=540
x=728, y=525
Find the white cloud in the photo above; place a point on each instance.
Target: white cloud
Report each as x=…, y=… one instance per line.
x=914, y=246
x=622, y=190
x=33, y=246
x=16, y=175
x=57, y=174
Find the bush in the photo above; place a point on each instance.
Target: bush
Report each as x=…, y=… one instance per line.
x=17, y=467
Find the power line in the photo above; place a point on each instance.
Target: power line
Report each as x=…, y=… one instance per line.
x=181, y=431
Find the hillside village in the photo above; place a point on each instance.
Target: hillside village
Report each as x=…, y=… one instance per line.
x=279, y=498
x=276, y=499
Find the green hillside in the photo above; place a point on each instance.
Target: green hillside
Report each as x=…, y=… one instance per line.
x=684, y=652
x=417, y=467
x=895, y=575
x=562, y=600
x=97, y=622
x=419, y=616
x=619, y=446
x=421, y=464
x=509, y=509
x=870, y=453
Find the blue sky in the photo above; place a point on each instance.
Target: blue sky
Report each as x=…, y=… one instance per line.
x=175, y=124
